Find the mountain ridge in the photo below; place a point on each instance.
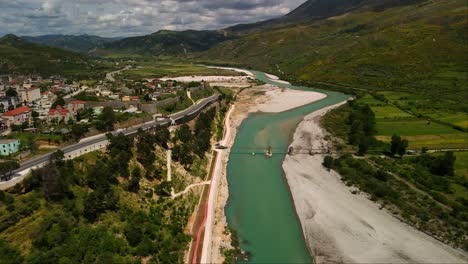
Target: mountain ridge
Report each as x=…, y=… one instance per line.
x=78, y=43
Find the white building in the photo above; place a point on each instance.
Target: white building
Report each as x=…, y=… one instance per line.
x=30, y=95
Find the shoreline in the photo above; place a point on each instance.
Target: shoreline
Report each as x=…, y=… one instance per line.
x=249, y=102
x=341, y=227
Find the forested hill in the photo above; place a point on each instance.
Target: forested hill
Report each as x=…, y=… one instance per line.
x=164, y=42
x=20, y=56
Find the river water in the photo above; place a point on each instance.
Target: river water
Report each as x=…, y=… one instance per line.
x=260, y=206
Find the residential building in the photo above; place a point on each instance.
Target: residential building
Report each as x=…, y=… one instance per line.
x=7, y=103
x=30, y=95
x=17, y=116
x=75, y=105
x=59, y=114
x=9, y=146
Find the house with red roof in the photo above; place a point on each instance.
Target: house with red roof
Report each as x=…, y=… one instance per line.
x=17, y=116
x=76, y=105
x=59, y=114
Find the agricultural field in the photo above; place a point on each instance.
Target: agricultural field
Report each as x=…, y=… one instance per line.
x=419, y=131
x=158, y=69
x=423, y=105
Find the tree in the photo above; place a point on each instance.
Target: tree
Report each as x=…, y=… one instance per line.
x=134, y=183
x=119, y=149
x=184, y=134
x=98, y=202
x=145, y=149
x=443, y=165
x=395, y=144
x=55, y=178
x=11, y=92
x=162, y=136
x=328, y=162
x=403, y=146
x=6, y=169
x=35, y=116
x=59, y=101
x=186, y=157
x=78, y=131
x=8, y=254
x=398, y=145
x=106, y=119
x=362, y=148
x=24, y=125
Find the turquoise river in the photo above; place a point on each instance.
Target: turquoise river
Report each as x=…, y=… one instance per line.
x=260, y=206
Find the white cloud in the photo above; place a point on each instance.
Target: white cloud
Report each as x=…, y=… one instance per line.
x=132, y=17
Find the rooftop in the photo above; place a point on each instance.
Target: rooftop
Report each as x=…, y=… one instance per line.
x=17, y=111
x=7, y=140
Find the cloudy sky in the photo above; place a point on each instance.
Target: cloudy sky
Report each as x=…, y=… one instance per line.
x=132, y=17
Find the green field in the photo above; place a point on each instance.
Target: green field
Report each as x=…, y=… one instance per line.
x=419, y=131
x=422, y=105
x=461, y=164
x=158, y=69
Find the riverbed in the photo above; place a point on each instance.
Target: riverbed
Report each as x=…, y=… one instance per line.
x=260, y=205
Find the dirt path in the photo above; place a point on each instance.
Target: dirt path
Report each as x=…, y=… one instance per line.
x=169, y=164
x=189, y=95
x=188, y=188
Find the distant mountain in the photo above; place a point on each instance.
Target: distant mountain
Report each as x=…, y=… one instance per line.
x=20, y=56
x=163, y=42
x=182, y=43
x=81, y=43
x=318, y=9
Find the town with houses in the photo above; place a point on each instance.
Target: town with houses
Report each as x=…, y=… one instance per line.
x=36, y=109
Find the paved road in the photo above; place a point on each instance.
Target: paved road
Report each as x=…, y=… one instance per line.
x=102, y=139
x=206, y=228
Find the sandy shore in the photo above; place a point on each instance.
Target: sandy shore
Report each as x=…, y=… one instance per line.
x=249, y=101
x=208, y=79
x=279, y=100
x=342, y=227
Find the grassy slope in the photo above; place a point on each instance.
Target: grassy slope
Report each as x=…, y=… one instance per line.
x=412, y=48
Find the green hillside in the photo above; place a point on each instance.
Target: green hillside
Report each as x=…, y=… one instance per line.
x=419, y=48
x=163, y=42
x=23, y=57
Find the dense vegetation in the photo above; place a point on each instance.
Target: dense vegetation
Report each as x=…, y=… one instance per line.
x=362, y=127
x=99, y=208
x=22, y=57
x=196, y=141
